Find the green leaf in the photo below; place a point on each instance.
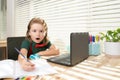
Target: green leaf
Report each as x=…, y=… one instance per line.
x=118, y=30
x=111, y=35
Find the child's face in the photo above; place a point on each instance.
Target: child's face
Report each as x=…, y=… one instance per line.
x=37, y=32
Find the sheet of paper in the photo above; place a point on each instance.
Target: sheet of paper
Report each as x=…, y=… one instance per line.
x=12, y=69
x=42, y=68
x=6, y=68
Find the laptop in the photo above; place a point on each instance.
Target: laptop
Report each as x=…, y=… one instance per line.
x=79, y=50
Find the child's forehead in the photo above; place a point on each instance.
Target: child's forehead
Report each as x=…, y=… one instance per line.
x=37, y=26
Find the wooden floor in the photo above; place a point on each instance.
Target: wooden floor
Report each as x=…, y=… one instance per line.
x=94, y=68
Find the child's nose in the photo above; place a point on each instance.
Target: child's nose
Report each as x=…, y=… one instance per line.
x=38, y=33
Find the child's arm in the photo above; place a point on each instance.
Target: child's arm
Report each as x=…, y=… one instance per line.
x=27, y=66
x=51, y=51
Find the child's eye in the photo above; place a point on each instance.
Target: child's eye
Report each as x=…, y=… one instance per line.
x=34, y=30
x=41, y=31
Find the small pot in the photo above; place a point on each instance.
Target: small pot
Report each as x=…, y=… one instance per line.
x=112, y=48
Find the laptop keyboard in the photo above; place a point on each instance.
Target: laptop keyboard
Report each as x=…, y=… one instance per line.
x=63, y=57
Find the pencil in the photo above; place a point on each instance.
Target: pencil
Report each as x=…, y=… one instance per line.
x=21, y=54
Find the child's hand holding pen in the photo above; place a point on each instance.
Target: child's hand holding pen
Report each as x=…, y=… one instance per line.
x=25, y=63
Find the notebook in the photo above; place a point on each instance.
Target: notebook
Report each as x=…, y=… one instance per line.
x=79, y=50
x=12, y=69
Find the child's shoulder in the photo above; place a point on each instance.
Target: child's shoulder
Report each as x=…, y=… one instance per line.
x=26, y=41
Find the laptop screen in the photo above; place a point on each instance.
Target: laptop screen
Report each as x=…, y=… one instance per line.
x=79, y=47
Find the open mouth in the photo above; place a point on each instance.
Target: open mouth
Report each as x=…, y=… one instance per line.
x=37, y=38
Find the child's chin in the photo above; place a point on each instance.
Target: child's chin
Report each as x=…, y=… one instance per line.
x=37, y=41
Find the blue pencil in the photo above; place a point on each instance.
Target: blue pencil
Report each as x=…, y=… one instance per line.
x=21, y=54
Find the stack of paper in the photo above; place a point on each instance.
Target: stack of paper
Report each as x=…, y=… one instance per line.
x=12, y=69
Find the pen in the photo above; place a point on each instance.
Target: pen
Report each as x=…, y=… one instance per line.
x=21, y=54
x=97, y=38
x=93, y=38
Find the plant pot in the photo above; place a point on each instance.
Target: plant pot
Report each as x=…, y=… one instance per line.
x=112, y=48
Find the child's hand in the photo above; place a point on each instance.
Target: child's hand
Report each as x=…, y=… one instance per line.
x=28, y=66
x=34, y=56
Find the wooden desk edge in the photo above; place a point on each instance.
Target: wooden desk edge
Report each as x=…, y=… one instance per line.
x=3, y=43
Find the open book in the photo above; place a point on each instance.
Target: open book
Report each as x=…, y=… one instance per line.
x=12, y=69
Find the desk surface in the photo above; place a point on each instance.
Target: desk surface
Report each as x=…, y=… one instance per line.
x=3, y=43
x=94, y=68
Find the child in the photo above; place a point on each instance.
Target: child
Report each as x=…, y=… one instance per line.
x=36, y=42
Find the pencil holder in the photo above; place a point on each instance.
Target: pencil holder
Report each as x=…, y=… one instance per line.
x=94, y=49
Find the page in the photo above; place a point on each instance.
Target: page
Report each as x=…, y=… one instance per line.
x=7, y=68
x=42, y=68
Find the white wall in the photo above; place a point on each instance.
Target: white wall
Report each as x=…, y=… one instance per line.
x=10, y=17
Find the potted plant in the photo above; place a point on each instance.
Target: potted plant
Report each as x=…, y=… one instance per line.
x=111, y=42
